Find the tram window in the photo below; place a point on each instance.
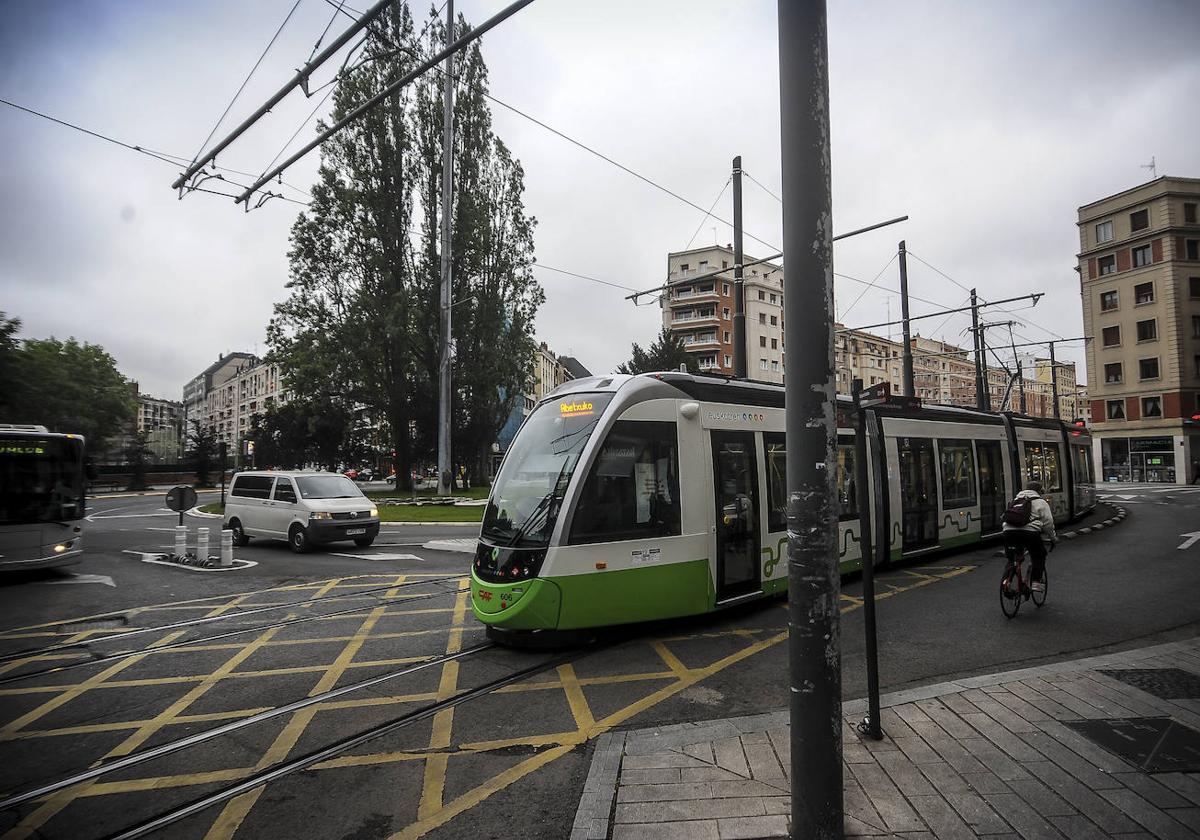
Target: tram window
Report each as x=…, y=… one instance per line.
x=776, y=457
x=632, y=489
x=847, y=482
x=1041, y=464
x=1083, y=465
x=958, y=473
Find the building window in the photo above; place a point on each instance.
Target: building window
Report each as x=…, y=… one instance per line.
x=725, y=288
x=1152, y=406
x=762, y=341
x=772, y=298
x=1104, y=232
x=762, y=317
x=1147, y=330
x=1111, y=336
x=762, y=295
x=1143, y=293
x=1108, y=265
x=1115, y=409
x=1194, y=287
x=1196, y=326
x=1141, y=256
x=725, y=336
x=683, y=267
x=728, y=361
x=762, y=364
x=775, y=366
x=702, y=265
x=1139, y=220
x=1108, y=301
x=1192, y=249
x=774, y=344
x=725, y=313
x=1112, y=373
x=1197, y=370
x=1189, y=213
x=774, y=321
x=1148, y=368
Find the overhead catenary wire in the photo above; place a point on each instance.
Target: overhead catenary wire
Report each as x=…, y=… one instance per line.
x=868, y=287
x=708, y=212
x=762, y=186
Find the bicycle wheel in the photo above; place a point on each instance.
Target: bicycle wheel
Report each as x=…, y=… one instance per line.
x=1039, y=598
x=1010, y=592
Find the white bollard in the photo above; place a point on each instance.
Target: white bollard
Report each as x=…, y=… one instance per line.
x=227, y=548
x=202, y=544
x=181, y=532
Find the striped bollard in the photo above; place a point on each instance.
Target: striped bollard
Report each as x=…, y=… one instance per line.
x=227, y=548
x=181, y=532
x=202, y=545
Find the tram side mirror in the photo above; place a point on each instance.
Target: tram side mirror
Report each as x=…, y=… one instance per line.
x=689, y=410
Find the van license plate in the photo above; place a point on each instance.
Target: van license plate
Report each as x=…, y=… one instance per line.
x=350, y=532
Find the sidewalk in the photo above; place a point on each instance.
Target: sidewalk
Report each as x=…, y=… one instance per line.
x=999, y=756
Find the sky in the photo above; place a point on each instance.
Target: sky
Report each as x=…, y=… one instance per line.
x=987, y=124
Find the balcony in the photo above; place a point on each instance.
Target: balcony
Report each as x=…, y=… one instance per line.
x=697, y=342
x=695, y=296
x=698, y=319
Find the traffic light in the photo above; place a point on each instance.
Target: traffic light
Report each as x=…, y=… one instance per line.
x=1192, y=421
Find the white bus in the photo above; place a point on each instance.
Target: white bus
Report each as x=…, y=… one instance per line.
x=42, y=483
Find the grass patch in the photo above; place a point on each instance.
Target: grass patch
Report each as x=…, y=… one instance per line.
x=430, y=513
x=214, y=507
x=473, y=493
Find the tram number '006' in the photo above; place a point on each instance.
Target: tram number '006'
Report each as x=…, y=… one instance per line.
x=506, y=598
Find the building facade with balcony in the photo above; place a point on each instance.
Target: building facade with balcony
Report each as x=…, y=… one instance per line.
x=227, y=395
x=1139, y=272
x=701, y=312
x=873, y=359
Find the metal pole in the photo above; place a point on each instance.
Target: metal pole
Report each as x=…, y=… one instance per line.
x=739, y=289
x=444, y=371
x=224, y=457
x=1021, y=386
x=814, y=641
x=1054, y=383
x=987, y=390
x=909, y=389
x=980, y=384
x=863, y=499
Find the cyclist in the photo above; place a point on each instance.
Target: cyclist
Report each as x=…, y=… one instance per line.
x=1027, y=521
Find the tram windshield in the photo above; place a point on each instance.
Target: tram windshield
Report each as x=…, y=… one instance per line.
x=537, y=470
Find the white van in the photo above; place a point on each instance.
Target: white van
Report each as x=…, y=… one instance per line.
x=304, y=508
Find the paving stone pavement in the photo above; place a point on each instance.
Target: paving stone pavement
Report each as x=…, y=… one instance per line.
x=986, y=756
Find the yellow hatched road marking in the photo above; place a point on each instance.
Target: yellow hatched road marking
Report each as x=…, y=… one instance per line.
x=580, y=710
x=433, y=783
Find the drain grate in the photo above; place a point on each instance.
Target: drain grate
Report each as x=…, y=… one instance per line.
x=1155, y=744
x=1167, y=683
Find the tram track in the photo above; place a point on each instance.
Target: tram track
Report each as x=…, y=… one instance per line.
x=186, y=643
x=49, y=650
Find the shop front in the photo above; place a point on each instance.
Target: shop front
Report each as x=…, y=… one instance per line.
x=1147, y=459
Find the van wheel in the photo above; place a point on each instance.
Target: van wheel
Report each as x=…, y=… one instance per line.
x=298, y=540
x=239, y=536
x=363, y=542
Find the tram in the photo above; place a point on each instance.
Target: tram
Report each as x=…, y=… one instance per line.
x=635, y=498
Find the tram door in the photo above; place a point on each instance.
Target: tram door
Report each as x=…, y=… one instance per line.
x=918, y=493
x=735, y=477
x=992, y=497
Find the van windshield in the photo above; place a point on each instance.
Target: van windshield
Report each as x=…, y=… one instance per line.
x=327, y=487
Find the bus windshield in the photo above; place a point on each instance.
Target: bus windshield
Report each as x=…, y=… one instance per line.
x=41, y=479
x=538, y=467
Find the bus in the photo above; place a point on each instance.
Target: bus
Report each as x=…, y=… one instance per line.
x=42, y=485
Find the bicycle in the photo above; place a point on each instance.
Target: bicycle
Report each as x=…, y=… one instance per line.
x=1013, y=586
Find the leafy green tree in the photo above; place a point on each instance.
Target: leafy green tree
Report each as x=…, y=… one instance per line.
x=305, y=431
x=202, y=446
x=64, y=385
x=667, y=352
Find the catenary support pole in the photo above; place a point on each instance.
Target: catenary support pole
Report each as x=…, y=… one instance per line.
x=1021, y=387
x=979, y=381
x=987, y=391
x=224, y=464
x=1054, y=383
x=909, y=389
x=445, y=390
x=814, y=641
x=862, y=498
x=739, y=288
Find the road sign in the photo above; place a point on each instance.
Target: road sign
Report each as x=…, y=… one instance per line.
x=181, y=498
x=876, y=394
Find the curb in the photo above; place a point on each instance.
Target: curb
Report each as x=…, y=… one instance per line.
x=1111, y=522
x=199, y=514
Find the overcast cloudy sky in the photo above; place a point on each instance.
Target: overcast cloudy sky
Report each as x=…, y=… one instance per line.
x=988, y=124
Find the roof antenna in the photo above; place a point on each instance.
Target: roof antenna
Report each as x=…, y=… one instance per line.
x=1152, y=167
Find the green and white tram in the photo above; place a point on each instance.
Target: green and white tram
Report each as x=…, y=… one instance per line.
x=634, y=498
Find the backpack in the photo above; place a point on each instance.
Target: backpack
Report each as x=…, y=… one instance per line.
x=1019, y=512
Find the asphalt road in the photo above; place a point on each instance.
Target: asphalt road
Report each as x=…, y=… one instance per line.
x=191, y=650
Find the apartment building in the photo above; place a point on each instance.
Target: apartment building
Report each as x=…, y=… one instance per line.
x=1139, y=273
x=161, y=421
x=226, y=396
x=943, y=373
x=701, y=312
x=869, y=357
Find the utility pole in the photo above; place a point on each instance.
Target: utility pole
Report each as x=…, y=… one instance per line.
x=445, y=391
x=739, y=288
x=1054, y=383
x=982, y=402
x=909, y=389
x=862, y=498
x=814, y=632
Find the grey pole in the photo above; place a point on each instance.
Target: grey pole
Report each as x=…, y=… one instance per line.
x=739, y=289
x=444, y=390
x=1054, y=383
x=814, y=640
x=1021, y=386
x=987, y=391
x=863, y=499
x=980, y=382
x=909, y=389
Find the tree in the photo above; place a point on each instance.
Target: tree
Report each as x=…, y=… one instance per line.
x=63, y=385
x=360, y=329
x=667, y=352
x=305, y=431
x=202, y=441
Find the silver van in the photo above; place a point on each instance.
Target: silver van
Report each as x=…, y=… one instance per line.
x=304, y=508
